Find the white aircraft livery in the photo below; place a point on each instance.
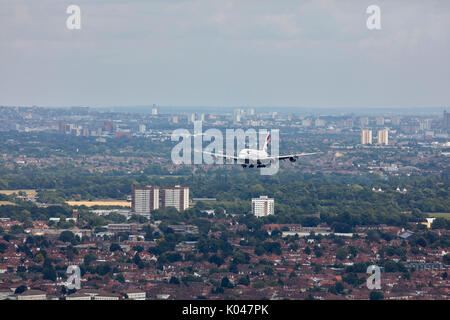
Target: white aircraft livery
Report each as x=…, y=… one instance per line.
x=259, y=158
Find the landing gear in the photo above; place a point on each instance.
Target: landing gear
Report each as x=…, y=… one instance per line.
x=252, y=166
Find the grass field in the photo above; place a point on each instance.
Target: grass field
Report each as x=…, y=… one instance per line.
x=5, y=203
x=29, y=192
x=113, y=203
x=445, y=215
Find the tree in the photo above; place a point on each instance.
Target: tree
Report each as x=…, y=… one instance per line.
x=341, y=254
x=446, y=259
x=218, y=290
x=441, y=223
x=3, y=247
x=241, y=257
x=373, y=236
x=339, y=286
x=39, y=257
x=244, y=280
x=268, y=271
x=67, y=236
x=120, y=278
x=48, y=271
x=174, y=280
x=259, y=250
x=318, y=251
x=138, y=261
x=138, y=248
x=103, y=269
x=16, y=229
x=226, y=283
x=418, y=215
x=115, y=247
x=20, y=289
x=421, y=242
x=21, y=269
x=233, y=268
x=63, y=290
x=88, y=258
x=216, y=259
x=376, y=295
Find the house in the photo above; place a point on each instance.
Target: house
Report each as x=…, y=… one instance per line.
x=32, y=295
x=107, y=296
x=93, y=294
x=5, y=292
x=406, y=234
x=79, y=296
x=135, y=295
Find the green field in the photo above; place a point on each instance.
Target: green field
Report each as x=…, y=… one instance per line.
x=445, y=215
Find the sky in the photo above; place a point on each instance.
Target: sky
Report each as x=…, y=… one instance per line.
x=303, y=53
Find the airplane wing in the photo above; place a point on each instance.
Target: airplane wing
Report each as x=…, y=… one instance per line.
x=288, y=156
x=221, y=155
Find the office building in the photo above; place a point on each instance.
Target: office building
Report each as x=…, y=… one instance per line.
x=320, y=122
x=379, y=121
x=177, y=197
x=263, y=206
x=366, y=137
x=364, y=121
x=446, y=120
x=306, y=122
x=145, y=199
x=396, y=121
x=62, y=127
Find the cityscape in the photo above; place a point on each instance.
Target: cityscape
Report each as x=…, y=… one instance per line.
x=224, y=159
x=96, y=188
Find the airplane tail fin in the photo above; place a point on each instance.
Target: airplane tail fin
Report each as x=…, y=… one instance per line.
x=266, y=143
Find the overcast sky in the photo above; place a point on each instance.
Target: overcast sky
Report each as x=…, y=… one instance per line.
x=225, y=53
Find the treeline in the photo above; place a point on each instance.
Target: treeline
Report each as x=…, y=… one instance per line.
x=43, y=144
x=340, y=200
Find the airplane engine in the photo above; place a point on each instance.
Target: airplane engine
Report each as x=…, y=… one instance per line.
x=292, y=159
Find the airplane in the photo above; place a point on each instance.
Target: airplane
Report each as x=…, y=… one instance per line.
x=251, y=157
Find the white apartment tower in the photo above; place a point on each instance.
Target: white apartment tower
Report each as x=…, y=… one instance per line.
x=383, y=137
x=366, y=137
x=177, y=197
x=263, y=206
x=145, y=199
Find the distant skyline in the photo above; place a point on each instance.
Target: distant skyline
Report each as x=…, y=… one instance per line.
x=247, y=53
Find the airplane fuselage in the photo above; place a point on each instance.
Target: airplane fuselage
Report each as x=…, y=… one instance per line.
x=253, y=157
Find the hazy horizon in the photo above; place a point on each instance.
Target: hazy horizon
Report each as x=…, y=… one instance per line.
x=323, y=111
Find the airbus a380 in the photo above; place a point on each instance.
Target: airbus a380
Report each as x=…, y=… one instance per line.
x=259, y=158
